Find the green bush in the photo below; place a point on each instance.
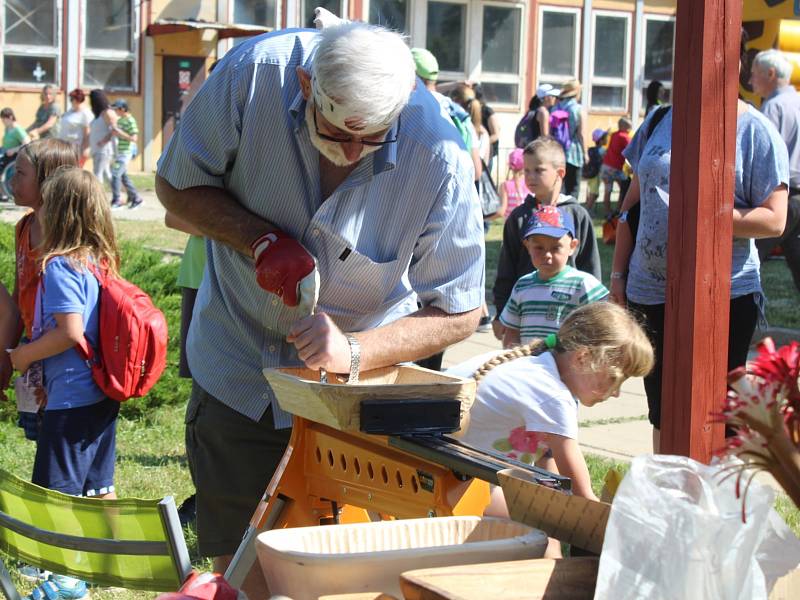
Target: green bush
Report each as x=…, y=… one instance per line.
x=156, y=276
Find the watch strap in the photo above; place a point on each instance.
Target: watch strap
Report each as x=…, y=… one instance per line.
x=355, y=358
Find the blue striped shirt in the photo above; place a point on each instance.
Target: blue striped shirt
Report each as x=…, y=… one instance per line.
x=408, y=213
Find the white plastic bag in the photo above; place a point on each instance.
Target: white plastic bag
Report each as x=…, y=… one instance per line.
x=675, y=532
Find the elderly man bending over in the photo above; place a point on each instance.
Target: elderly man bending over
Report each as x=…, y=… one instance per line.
x=310, y=152
x=770, y=79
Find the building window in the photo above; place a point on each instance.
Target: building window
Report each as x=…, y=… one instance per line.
x=659, y=46
x=392, y=14
x=110, y=46
x=31, y=41
x=610, y=62
x=558, y=45
x=255, y=12
x=446, y=36
x=500, y=53
x=335, y=6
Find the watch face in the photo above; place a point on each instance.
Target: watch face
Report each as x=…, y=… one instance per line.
x=623, y=216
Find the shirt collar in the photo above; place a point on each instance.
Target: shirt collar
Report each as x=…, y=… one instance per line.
x=385, y=159
x=787, y=89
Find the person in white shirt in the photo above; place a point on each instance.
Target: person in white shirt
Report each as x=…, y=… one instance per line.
x=75, y=125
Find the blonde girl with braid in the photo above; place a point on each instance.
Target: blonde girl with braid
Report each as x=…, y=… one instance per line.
x=527, y=399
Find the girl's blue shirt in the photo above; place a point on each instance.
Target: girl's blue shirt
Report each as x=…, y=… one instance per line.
x=69, y=288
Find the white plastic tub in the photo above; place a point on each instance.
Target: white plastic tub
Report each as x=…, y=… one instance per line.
x=308, y=562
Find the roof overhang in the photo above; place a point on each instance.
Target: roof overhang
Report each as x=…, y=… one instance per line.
x=224, y=30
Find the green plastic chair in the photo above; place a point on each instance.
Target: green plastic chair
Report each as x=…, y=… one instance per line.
x=128, y=543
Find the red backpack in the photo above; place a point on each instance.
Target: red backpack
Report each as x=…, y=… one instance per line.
x=132, y=350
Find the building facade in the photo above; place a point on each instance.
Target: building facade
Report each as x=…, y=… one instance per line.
x=155, y=53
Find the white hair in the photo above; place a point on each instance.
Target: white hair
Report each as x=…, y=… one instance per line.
x=774, y=59
x=367, y=68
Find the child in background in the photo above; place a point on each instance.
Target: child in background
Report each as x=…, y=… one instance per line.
x=613, y=162
x=541, y=300
x=513, y=191
x=35, y=162
x=526, y=405
x=592, y=169
x=14, y=138
x=545, y=167
x=127, y=133
x=76, y=447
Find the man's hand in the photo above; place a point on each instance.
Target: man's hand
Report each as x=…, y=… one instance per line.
x=617, y=292
x=320, y=344
x=6, y=369
x=281, y=263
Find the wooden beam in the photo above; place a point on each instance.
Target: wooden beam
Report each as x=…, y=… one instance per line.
x=700, y=225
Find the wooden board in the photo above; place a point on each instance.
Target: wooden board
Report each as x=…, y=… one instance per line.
x=571, y=519
x=337, y=403
x=537, y=579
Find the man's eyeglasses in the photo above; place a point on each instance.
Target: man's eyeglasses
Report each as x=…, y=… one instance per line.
x=362, y=141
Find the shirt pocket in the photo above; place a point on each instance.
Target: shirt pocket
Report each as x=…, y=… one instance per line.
x=354, y=283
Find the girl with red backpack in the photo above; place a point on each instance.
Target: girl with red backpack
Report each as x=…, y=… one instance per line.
x=76, y=446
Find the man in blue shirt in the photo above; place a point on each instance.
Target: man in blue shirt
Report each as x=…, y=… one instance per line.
x=770, y=77
x=312, y=154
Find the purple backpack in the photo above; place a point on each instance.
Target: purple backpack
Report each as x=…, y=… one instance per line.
x=559, y=127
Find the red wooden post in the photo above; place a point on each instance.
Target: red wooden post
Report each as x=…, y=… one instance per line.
x=700, y=219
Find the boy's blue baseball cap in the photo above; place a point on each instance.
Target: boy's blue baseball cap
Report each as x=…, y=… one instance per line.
x=550, y=221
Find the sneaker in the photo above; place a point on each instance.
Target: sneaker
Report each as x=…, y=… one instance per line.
x=33, y=574
x=116, y=204
x=60, y=587
x=485, y=324
x=135, y=203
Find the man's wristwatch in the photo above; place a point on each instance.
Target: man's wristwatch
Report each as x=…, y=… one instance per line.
x=618, y=275
x=355, y=358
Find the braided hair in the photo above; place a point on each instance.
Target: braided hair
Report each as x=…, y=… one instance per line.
x=616, y=342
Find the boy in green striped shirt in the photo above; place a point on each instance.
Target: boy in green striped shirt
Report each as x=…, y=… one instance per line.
x=127, y=133
x=541, y=300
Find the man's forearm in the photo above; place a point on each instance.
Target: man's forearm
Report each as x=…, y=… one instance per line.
x=215, y=212
x=419, y=335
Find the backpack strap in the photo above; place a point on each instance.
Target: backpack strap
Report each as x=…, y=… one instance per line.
x=84, y=348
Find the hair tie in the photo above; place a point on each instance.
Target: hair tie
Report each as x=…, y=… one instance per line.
x=551, y=341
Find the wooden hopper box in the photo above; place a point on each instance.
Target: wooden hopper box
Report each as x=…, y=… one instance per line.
x=393, y=400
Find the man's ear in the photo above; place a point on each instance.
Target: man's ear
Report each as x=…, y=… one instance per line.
x=305, y=82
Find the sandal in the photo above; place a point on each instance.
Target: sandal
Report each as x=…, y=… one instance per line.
x=55, y=589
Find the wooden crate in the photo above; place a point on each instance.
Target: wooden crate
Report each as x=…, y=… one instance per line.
x=337, y=403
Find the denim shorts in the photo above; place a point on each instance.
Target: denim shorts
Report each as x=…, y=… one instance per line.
x=76, y=449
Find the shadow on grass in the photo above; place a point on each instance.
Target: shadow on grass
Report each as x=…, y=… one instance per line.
x=152, y=460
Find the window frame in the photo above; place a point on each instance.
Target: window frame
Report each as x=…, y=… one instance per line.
x=455, y=75
x=620, y=82
x=410, y=12
x=32, y=50
x=473, y=53
x=117, y=55
x=277, y=15
x=642, y=58
x=552, y=77
x=503, y=78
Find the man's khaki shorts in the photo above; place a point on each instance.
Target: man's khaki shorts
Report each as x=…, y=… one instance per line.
x=231, y=459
